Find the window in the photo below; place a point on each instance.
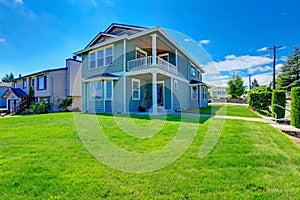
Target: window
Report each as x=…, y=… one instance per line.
x=24, y=83
x=175, y=84
x=109, y=56
x=192, y=70
x=136, y=89
x=194, y=92
x=199, y=75
x=108, y=90
x=92, y=60
x=32, y=83
x=140, y=53
x=96, y=91
x=42, y=82
x=15, y=85
x=100, y=58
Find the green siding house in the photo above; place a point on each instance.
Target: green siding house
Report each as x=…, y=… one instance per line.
x=131, y=69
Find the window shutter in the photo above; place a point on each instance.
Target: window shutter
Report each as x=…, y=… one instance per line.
x=45, y=82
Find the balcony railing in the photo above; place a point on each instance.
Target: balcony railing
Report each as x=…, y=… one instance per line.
x=147, y=62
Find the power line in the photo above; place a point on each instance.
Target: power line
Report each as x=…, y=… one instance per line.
x=274, y=48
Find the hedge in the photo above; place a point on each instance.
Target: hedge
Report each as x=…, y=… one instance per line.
x=295, y=104
x=278, y=98
x=260, y=97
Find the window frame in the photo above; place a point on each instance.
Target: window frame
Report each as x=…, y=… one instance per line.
x=91, y=91
x=196, y=94
x=95, y=52
x=24, y=83
x=138, y=89
x=192, y=68
x=175, y=84
x=105, y=90
x=141, y=51
x=44, y=82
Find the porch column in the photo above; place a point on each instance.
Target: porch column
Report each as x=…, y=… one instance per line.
x=154, y=51
x=172, y=94
x=154, y=93
x=176, y=59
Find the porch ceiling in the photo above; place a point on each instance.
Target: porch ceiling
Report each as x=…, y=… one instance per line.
x=146, y=43
x=148, y=77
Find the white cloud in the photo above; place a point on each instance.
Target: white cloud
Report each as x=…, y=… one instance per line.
x=234, y=63
x=2, y=40
x=283, y=58
x=263, y=49
x=204, y=42
x=230, y=57
x=187, y=39
x=259, y=69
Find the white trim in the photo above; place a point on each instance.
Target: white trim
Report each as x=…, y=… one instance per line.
x=164, y=99
x=100, y=79
x=124, y=77
x=141, y=51
x=105, y=90
x=197, y=96
x=150, y=30
x=123, y=26
x=139, y=89
x=175, y=88
x=164, y=54
x=172, y=93
x=154, y=93
x=176, y=57
x=95, y=51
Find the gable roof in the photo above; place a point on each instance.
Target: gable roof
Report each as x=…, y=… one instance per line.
x=109, y=33
x=41, y=72
x=138, y=34
x=17, y=91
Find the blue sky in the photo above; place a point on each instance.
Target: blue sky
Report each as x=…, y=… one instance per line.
x=38, y=35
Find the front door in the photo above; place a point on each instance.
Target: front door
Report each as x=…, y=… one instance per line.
x=160, y=94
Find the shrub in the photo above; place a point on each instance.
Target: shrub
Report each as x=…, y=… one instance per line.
x=295, y=110
x=40, y=107
x=66, y=103
x=260, y=97
x=278, y=99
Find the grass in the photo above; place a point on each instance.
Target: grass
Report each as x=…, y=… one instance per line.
x=41, y=156
x=226, y=109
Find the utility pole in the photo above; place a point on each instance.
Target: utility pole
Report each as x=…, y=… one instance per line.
x=274, y=48
x=249, y=81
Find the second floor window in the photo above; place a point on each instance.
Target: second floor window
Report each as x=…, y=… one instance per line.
x=101, y=58
x=42, y=82
x=193, y=70
x=199, y=76
x=24, y=83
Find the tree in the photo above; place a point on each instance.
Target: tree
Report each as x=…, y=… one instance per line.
x=8, y=77
x=235, y=86
x=254, y=84
x=290, y=72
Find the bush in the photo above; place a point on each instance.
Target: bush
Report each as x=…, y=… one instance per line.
x=66, y=103
x=260, y=97
x=295, y=110
x=40, y=107
x=278, y=98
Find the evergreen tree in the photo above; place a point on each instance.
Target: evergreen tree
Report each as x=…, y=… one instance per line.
x=8, y=77
x=290, y=72
x=254, y=84
x=235, y=86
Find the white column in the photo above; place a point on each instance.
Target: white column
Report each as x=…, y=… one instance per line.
x=176, y=58
x=154, y=93
x=154, y=51
x=172, y=93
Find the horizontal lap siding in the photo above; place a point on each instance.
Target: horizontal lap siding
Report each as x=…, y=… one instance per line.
x=96, y=107
x=181, y=96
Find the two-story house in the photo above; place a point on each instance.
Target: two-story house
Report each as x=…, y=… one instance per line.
x=126, y=67
x=52, y=85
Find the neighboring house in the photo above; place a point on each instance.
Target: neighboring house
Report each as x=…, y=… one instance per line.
x=121, y=65
x=52, y=85
x=218, y=92
x=3, y=88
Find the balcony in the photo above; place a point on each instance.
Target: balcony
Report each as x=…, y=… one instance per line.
x=147, y=62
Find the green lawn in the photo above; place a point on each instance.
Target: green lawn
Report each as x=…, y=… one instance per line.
x=226, y=109
x=42, y=157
